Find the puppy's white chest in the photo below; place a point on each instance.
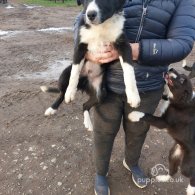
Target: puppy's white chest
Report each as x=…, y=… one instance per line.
x=98, y=35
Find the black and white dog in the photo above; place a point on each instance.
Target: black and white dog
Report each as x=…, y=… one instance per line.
x=102, y=23
x=179, y=120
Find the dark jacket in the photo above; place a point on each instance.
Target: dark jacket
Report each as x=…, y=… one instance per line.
x=165, y=30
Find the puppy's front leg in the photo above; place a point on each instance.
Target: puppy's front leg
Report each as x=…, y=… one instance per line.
x=124, y=50
x=78, y=61
x=191, y=188
x=155, y=121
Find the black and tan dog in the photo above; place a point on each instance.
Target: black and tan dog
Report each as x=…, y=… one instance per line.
x=179, y=120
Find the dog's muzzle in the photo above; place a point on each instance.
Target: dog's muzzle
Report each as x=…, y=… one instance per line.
x=91, y=15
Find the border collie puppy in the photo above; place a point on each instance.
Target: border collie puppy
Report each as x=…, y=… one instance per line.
x=102, y=23
x=166, y=95
x=179, y=120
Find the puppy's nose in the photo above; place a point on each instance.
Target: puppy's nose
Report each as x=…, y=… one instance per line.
x=91, y=15
x=171, y=70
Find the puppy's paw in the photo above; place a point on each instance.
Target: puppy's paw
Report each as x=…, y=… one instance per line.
x=190, y=190
x=134, y=100
x=50, y=111
x=70, y=94
x=135, y=116
x=163, y=178
x=87, y=121
x=44, y=88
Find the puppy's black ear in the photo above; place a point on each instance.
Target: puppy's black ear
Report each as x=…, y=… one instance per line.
x=80, y=2
x=119, y=4
x=186, y=96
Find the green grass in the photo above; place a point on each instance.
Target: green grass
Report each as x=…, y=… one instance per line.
x=51, y=3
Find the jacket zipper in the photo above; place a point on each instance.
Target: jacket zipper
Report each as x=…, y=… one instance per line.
x=145, y=6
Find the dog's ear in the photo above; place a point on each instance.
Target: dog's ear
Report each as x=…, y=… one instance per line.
x=80, y=2
x=119, y=4
x=186, y=96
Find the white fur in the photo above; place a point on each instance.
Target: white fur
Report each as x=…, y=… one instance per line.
x=163, y=178
x=87, y=121
x=135, y=116
x=168, y=92
x=177, y=153
x=73, y=82
x=96, y=83
x=130, y=83
x=165, y=104
x=50, y=111
x=190, y=190
x=184, y=63
x=92, y=7
x=44, y=88
x=193, y=94
x=98, y=35
x=93, y=71
x=173, y=75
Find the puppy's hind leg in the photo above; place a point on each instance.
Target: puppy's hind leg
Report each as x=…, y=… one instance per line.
x=190, y=190
x=62, y=86
x=53, y=109
x=86, y=107
x=175, y=156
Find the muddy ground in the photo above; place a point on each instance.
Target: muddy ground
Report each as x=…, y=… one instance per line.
x=54, y=155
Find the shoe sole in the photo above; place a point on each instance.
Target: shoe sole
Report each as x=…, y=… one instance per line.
x=108, y=192
x=127, y=167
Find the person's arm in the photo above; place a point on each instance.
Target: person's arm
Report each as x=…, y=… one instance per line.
x=179, y=42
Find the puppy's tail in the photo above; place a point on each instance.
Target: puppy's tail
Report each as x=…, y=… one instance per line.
x=49, y=89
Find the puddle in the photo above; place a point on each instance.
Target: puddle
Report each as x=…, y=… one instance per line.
x=32, y=6
x=52, y=29
x=9, y=7
x=7, y=34
x=51, y=73
x=2, y=33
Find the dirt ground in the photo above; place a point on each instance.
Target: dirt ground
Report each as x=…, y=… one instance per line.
x=54, y=155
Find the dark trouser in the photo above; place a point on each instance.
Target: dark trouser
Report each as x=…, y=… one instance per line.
x=107, y=120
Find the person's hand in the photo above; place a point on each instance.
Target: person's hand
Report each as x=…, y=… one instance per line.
x=108, y=54
x=135, y=51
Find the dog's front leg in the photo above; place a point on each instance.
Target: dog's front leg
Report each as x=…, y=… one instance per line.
x=191, y=187
x=125, y=56
x=78, y=61
x=155, y=121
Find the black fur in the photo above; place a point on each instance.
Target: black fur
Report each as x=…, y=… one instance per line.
x=83, y=85
x=179, y=120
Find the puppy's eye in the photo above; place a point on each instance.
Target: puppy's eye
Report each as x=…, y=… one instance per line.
x=181, y=80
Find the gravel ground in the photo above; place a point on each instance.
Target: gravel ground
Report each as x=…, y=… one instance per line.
x=54, y=155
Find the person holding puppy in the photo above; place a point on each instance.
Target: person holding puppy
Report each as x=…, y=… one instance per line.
x=160, y=32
